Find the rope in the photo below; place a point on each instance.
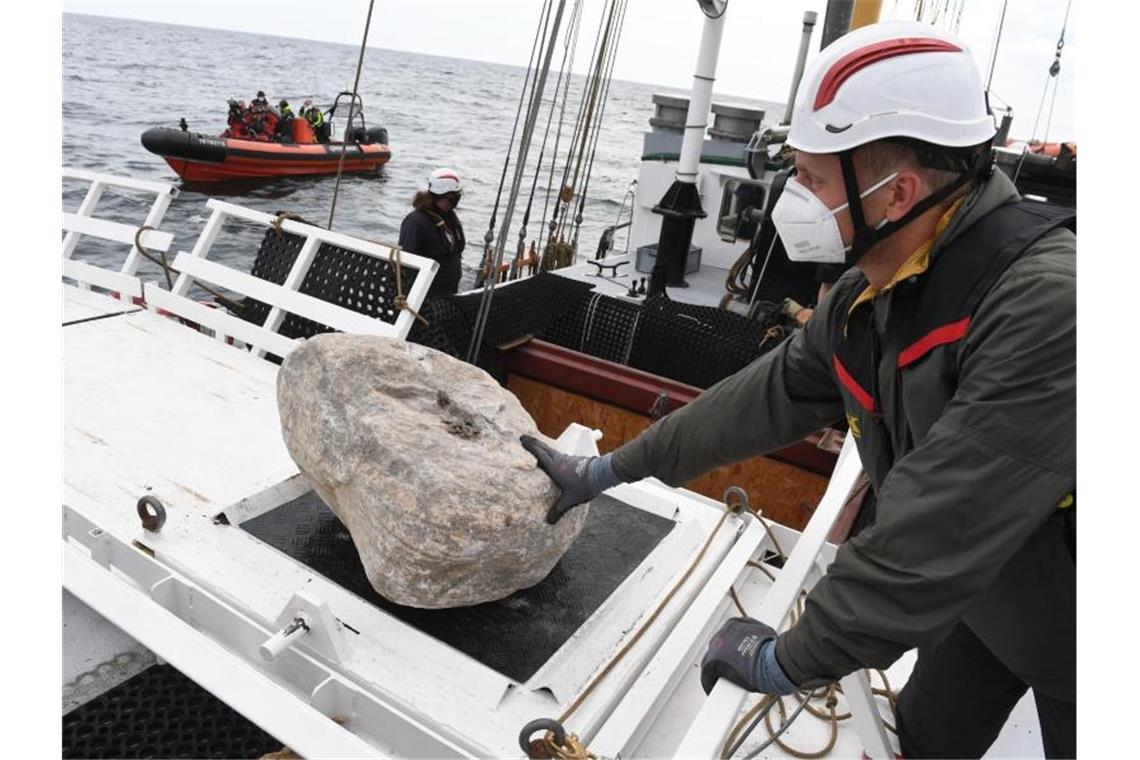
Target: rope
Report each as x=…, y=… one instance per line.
x=608, y=78
x=577, y=25
x=786, y=721
x=351, y=107
x=276, y=223
x=520, y=165
x=645, y=626
x=588, y=121
x=575, y=15
x=489, y=236
x=400, y=300
x=147, y=254
x=997, y=44
x=167, y=269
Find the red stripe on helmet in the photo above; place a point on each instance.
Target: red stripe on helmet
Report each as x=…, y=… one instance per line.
x=848, y=65
x=448, y=176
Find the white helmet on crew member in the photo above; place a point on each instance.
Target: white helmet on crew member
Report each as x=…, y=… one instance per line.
x=891, y=79
x=443, y=181
x=897, y=80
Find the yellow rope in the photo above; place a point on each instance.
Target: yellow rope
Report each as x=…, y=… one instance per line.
x=830, y=695
x=573, y=749
x=276, y=223
x=400, y=300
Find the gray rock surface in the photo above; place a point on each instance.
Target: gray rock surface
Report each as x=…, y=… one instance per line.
x=417, y=453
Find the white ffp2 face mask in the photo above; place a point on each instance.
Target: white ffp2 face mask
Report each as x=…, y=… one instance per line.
x=808, y=228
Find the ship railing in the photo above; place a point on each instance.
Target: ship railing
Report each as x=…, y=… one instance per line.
x=195, y=267
x=122, y=282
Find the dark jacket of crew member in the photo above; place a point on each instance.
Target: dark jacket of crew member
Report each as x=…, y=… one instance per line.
x=433, y=230
x=950, y=349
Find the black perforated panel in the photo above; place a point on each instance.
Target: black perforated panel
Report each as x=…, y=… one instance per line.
x=525, y=307
x=516, y=635
x=161, y=713
x=354, y=280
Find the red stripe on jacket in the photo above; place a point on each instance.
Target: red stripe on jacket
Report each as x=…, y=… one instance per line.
x=850, y=384
x=939, y=336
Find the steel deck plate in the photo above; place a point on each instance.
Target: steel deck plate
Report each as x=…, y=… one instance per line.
x=514, y=636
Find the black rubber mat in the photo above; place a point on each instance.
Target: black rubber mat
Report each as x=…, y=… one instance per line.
x=515, y=635
x=161, y=713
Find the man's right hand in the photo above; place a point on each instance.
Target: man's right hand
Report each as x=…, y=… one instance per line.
x=572, y=474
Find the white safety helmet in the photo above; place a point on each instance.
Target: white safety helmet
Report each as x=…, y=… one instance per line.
x=443, y=181
x=891, y=79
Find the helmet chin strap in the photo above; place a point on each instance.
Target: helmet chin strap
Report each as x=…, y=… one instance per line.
x=866, y=236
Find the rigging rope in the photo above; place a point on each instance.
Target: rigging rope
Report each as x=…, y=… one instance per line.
x=598, y=126
x=997, y=44
x=557, y=139
x=571, y=36
x=588, y=121
x=1051, y=78
x=351, y=107
x=520, y=166
x=489, y=236
x=565, y=191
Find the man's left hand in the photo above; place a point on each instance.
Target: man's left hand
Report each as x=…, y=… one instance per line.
x=743, y=651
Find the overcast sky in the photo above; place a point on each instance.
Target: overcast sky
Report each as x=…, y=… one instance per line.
x=659, y=44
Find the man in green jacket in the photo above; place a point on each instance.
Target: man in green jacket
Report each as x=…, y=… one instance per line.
x=950, y=349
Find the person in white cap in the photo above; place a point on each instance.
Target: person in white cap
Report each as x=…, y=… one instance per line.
x=949, y=347
x=433, y=230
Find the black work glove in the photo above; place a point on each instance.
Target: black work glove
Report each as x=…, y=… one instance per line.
x=570, y=473
x=743, y=651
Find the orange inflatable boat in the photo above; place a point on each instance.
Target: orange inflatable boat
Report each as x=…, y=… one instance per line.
x=197, y=157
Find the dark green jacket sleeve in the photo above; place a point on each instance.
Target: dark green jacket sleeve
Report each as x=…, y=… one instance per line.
x=773, y=402
x=982, y=482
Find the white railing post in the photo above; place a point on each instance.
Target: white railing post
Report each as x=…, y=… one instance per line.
x=85, y=209
x=153, y=219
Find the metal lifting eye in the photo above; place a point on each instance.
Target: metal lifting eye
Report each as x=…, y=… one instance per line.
x=736, y=499
x=151, y=512
x=540, y=724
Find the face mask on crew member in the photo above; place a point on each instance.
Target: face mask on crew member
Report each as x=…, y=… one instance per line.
x=809, y=229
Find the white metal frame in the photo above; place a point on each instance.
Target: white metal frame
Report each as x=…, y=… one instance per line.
x=283, y=298
x=708, y=732
x=83, y=222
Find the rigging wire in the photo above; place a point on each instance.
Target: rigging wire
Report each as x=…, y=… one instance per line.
x=352, y=105
x=584, y=121
x=598, y=126
x=520, y=166
x=997, y=44
x=542, y=229
x=489, y=236
x=571, y=35
x=1053, y=79
x=578, y=121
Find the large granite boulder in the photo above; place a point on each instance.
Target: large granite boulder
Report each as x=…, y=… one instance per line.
x=418, y=455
